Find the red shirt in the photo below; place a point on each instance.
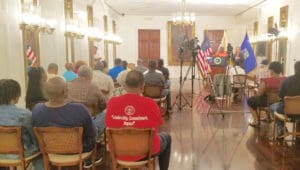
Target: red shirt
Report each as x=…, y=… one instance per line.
x=131, y=110
x=272, y=82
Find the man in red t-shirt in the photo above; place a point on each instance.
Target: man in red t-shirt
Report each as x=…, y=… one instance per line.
x=134, y=110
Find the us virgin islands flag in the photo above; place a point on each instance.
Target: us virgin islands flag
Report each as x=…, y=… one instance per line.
x=248, y=54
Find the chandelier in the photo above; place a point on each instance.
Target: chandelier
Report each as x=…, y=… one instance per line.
x=184, y=17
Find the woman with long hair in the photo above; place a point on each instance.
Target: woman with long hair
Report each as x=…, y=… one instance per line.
x=35, y=93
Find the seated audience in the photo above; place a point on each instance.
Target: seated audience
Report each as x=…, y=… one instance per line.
x=260, y=100
x=289, y=87
x=154, y=78
x=139, y=106
x=11, y=115
x=52, y=71
x=69, y=75
x=35, y=91
x=114, y=72
x=165, y=72
x=103, y=81
x=140, y=66
x=81, y=90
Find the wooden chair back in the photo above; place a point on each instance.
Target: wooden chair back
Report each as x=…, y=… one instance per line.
x=129, y=142
x=152, y=91
x=11, y=143
x=292, y=105
x=239, y=80
x=272, y=96
x=56, y=140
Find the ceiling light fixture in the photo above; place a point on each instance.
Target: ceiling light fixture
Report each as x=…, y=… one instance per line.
x=184, y=17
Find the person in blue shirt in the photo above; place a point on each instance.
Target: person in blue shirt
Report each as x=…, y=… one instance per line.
x=59, y=112
x=69, y=75
x=114, y=72
x=11, y=115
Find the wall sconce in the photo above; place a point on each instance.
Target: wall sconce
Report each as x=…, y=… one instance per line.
x=113, y=38
x=32, y=20
x=94, y=34
x=75, y=27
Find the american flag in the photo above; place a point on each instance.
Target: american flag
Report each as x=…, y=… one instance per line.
x=30, y=55
x=204, y=52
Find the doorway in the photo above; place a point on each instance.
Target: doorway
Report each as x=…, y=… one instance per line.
x=149, y=45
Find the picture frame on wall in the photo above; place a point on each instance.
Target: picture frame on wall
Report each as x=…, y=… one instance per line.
x=179, y=36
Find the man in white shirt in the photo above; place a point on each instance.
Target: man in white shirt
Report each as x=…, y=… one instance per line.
x=236, y=69
x=103, y=81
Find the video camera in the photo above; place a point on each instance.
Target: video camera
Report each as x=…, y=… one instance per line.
x=190, y=46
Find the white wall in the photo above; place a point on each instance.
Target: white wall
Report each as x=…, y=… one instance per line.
x=272, y=8
x=11, y=55
x=128, y=29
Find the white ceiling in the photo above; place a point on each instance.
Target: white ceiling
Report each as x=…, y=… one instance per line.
x=168, y=7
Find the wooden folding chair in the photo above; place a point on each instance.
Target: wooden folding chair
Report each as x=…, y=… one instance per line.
x=130, y=142
x=272, y=97
x=155, y=92
x=11, y=143
x=239, y=82
x=291, y=114
x=62, y=146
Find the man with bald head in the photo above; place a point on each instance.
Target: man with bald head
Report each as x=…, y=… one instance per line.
x=81, y=90
x=58, y=112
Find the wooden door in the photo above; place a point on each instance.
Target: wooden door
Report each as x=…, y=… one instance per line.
x=149, y=45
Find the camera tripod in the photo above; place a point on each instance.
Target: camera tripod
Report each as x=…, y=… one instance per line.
x=180, y=96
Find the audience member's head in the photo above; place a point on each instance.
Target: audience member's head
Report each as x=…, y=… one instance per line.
x=69, y=66
x=152, y=65
x=85, y=72
x=52, y=68
x=10, y=91
x=140, y=62
x=118, y=61
x=134, y=81
x=124, y=64
x=160, y=63
x=275, y=68
x=56, y=89
x=297, y=68
x=99, y=66
x=78, y=64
